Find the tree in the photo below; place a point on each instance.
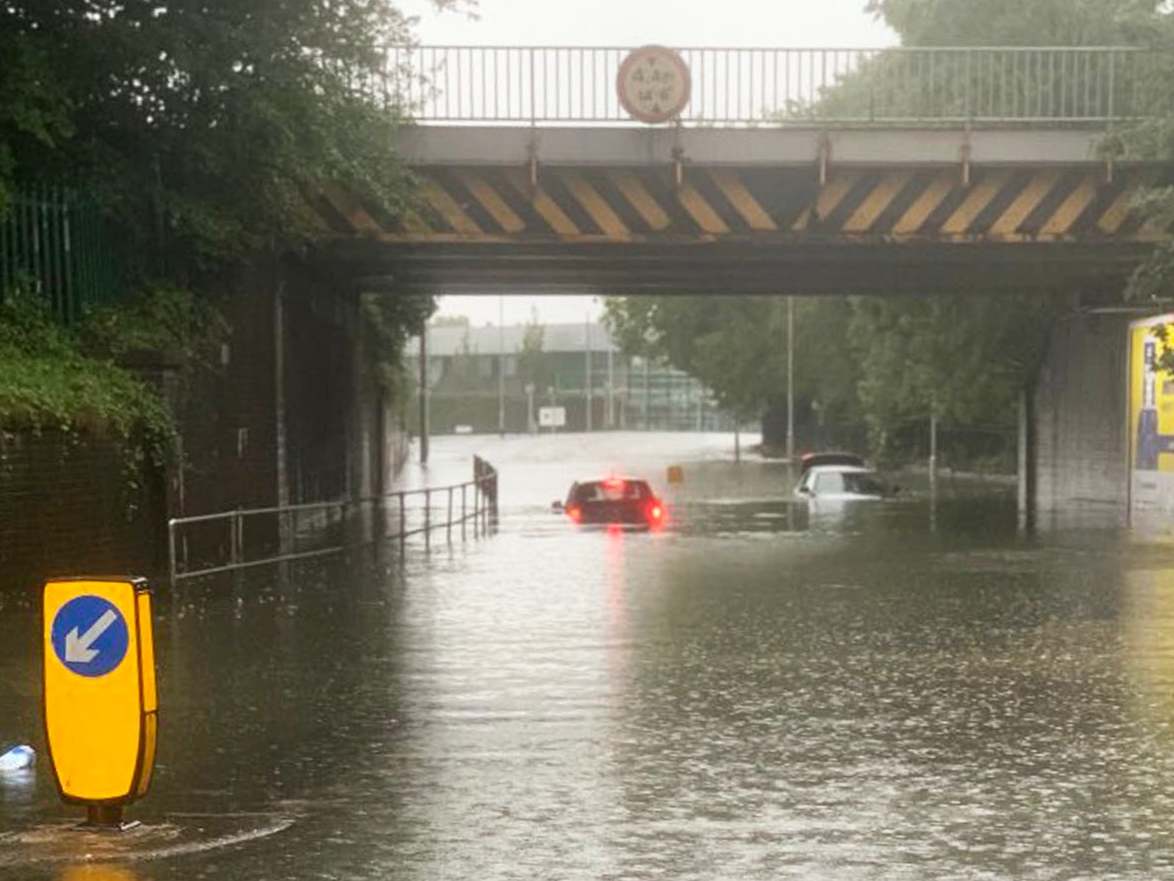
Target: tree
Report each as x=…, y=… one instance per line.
x=462, y=374
x=205, y=126
x=735, y=346
x=1150, y=136
x=532, y=366
x=1011, y=22
x=963, y=358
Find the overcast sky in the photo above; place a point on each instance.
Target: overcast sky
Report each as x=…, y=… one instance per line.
x=634, y=23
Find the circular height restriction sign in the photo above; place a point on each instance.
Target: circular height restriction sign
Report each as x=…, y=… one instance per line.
x=654, y=84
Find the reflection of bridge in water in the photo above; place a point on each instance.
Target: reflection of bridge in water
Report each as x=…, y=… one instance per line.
x=790, y=171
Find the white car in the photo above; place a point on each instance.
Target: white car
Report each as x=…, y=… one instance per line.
x=841, y=483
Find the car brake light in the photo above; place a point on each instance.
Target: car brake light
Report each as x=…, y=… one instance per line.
x=655, y=511
x=573, y=512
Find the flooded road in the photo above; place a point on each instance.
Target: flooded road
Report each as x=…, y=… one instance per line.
x=892, y=691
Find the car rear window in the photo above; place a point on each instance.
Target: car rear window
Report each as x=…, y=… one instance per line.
x=864, y=484
x=609, y=491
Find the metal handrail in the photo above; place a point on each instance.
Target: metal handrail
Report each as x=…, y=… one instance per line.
x=536, y=85
x=316, y=506
x=484, y=505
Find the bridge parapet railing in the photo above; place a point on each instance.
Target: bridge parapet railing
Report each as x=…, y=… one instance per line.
x=274, y=533
x=550, y=85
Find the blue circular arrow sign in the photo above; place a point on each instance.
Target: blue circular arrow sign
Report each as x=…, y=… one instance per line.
x=90, y=635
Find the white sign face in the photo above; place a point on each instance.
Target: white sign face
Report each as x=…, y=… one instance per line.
x=552, y=417
x=654, y=84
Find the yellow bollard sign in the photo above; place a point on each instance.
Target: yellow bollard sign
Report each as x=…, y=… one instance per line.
x=676, y=474
x=100, y=697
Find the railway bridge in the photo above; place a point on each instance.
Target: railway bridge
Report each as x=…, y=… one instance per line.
x=780, y=171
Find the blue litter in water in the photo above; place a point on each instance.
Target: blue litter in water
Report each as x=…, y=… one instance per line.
x=18, y=758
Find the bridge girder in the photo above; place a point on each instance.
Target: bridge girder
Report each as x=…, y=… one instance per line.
x=749, y=211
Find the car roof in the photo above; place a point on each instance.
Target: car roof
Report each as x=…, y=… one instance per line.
x=843, y=469
x=829, y=457
x=612, y=477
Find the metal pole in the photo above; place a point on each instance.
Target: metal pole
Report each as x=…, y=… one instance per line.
x=464, y=510
x=234, y=532
x=403, y=526
x=427, y=519
x=171, y=549
x=501, y=365
x=424, y=426
x=646, y=392
x=610, y=422
x=790, y=379
x=933, y=444
x=448, y=519
x=587, y=363
x=284, y=539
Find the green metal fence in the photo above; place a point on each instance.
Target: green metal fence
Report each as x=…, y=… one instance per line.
x=55, y=241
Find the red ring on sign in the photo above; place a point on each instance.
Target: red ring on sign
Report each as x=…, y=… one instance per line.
x=674, y=58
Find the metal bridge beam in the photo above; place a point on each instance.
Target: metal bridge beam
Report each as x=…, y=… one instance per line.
x=625, y=147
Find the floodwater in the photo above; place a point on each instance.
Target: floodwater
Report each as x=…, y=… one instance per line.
x=901, y=690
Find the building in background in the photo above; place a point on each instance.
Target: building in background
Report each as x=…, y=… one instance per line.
x=546, y=365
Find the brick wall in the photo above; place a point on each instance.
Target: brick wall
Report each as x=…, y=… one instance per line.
x=65, y=509
x=1081, y=437
x=62, y=505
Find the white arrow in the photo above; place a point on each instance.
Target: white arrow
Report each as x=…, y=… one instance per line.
x=77, y=648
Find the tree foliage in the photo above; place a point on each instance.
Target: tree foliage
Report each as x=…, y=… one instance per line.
x=51, y=381
x=1014, y=22
x=736, y=346
x=204, y=125
x=532, y=362
x=205, y=129
x=962, y=358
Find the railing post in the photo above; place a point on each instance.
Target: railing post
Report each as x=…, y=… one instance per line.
x=171, y=551
x=428, y=519
x=233, y=550
x=403, y=525
x=448, y=519
x=533, y=90
x=967, y=97
x=464, y=509
x=1112, y=87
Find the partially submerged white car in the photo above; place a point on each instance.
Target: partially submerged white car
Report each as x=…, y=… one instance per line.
x=841, y=483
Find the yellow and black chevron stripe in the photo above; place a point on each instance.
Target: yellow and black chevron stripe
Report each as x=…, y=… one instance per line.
x=647, y=204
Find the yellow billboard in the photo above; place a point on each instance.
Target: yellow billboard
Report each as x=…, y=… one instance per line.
x=1151, y=416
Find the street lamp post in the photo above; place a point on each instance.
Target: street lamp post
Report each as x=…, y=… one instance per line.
x=501, y=365
x=587, y=357
x=424, y=427
x=790, y=379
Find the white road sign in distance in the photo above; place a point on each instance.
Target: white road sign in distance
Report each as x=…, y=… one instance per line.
x=654, y=84
x=552, y=417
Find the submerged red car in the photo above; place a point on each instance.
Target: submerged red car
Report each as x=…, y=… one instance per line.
x=620, y=500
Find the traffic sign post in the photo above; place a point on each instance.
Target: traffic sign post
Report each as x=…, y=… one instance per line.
x=100, y=697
